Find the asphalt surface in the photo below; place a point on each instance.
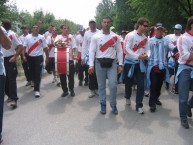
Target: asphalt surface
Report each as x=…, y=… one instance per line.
x=53, y=120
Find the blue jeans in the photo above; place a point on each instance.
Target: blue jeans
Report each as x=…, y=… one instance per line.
x=2, y=93
x=184, y=85
x=110, y=74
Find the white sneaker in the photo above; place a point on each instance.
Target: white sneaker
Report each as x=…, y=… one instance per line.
x=140, y=111
x=128, y=102
x=92, y=94
x=54, y=80
x=37, y=94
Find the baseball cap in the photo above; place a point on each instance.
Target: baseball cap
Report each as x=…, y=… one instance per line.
x=178, y=26
x=159, y=25
x=123, y=31
x=112, y=27
x=90, y=21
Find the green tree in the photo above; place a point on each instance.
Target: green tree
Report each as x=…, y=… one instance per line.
x=105, y=8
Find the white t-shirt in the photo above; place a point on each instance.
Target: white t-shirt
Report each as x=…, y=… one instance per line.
x=132, y=40
x=71, y=44
x=86, y=42
x=79, y=40
x=105, y=46
x=47, y=34
x=50, y=41
x=15, y=41
x=22, y=38
x=31, y=40
x=185, y=47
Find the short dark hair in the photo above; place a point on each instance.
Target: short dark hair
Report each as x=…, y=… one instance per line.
x=107, y=17
x=189, y=23
x=6, y=24
x=141, y=21
x=61, y=27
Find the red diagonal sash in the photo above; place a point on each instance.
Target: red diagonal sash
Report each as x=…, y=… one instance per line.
x=34, y=46
x=10, y=37
x=108, y=44
x=141, y=44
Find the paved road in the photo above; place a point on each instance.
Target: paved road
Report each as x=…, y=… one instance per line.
x=53, y=120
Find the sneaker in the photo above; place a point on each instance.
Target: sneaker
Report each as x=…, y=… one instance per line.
x=189, y=113
x=54, y=80
x=96, y=92
x=103, y=109
x=37, y=94
x=146, y=94
x=114, y=109
x=140, y=111
x=128, y=102
x=158, y=102
x=58, y=84
x=80, y=83
x=32, y=84
x=64, y=94
x=13, y=104
x=86, y=84
x=92, y=94
x=8, y=100
x=185, y=124
x=72, y=94
x=152, y=109
x=28, y=83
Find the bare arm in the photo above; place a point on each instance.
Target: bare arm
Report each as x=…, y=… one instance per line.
x=4, y=40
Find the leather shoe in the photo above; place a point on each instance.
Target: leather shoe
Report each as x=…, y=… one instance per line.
x=72, y=94
x=158, y=102
x=185, y=124
x=64, y=94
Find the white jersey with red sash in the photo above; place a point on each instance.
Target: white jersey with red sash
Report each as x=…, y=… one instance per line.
x=15, y=41
x=79, y=40
x=71, y=44
x=50, y=41
x=105, y=46
x=185, y=47
x=86, y=43
x=135, y=45
x=35, y=45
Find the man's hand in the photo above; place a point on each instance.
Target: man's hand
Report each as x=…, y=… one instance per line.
x=91, y=70
x=12, y=59
x=24, y=58
x=120, y=69
x=143, y=56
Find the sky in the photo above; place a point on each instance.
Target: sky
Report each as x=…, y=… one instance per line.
x=78, y=11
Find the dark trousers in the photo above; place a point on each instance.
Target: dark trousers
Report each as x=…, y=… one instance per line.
x=2, y=92
x=81, y=71
x=11, y=75
x=35, y=67
x=155, y=87
x=139, y=81
x=63, y=77
x=25, y=66
x=93, y=84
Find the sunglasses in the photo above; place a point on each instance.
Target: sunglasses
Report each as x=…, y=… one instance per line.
x=145, y=26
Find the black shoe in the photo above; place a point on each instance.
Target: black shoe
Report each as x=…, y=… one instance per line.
x=80, y=83
x=189, y=113
x=64, y=94
x=86, y=84
x=152, y=109
x=185, y=124
x=72, y=94
x=158, y=102
x=1, y=140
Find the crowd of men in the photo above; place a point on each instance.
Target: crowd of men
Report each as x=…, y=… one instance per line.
x=134, y=58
